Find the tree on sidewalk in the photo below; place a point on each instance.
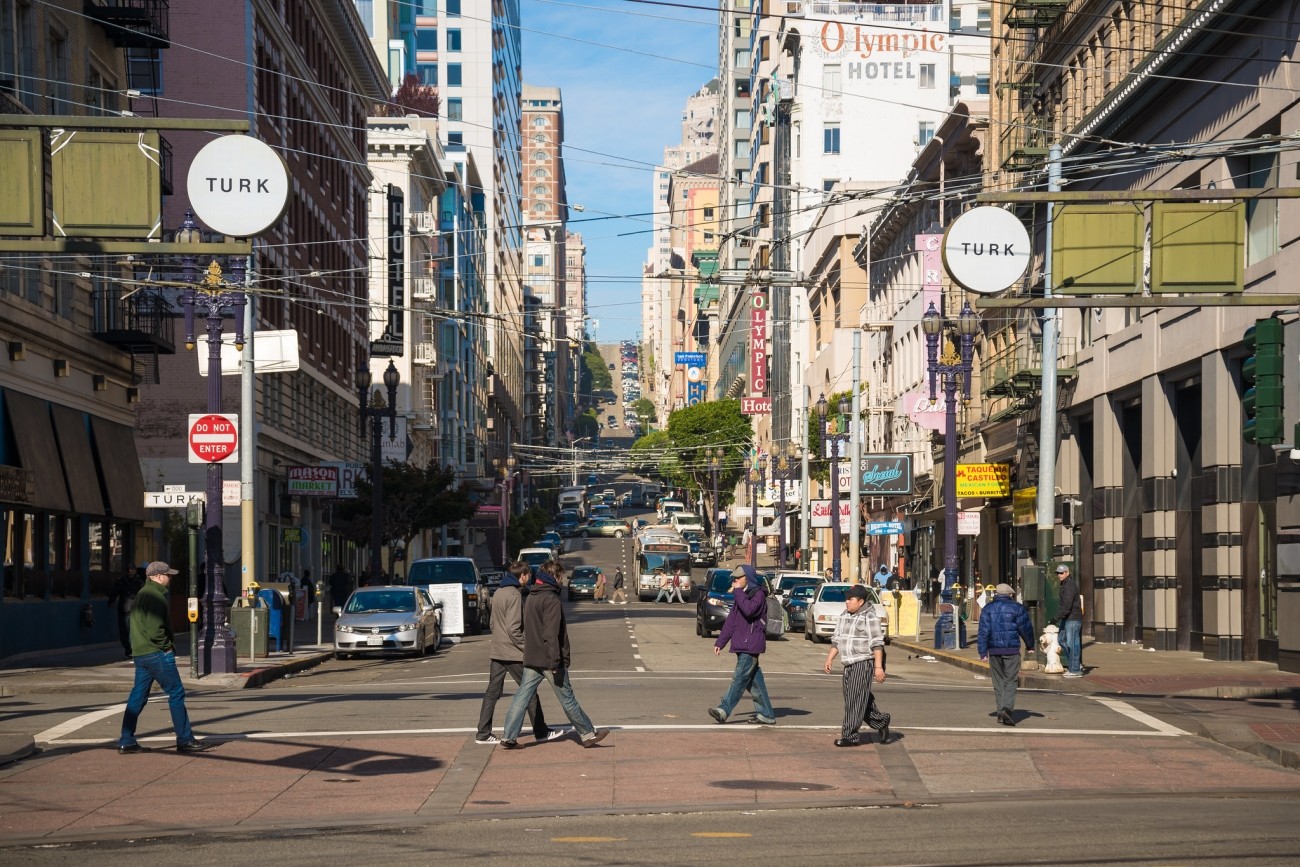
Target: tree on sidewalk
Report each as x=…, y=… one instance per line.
x=415, y=499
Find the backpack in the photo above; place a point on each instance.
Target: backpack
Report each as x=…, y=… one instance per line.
x=774, y=625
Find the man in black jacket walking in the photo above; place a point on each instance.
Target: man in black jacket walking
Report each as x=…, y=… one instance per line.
x=1069, y=618
x=546, y=652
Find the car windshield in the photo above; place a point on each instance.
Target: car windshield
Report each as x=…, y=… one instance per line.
x=804, y=592
x=536, y=558
x=441, y=572
x=583, y=572
x=833, y=594
x=720, y=582
x=374, y=601
x=793, y=584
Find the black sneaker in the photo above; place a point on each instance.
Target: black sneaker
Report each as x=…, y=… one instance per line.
x=131, y=748
x=595, y=737
x=718, y=715
x=1005, y=717
x=510, y=745
x=847, y=742
x=884, y=731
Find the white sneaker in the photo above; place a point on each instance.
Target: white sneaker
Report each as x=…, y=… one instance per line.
x=1074, y=674
x=490, y=739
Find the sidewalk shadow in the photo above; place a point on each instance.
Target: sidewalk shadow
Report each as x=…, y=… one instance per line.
x=341, y=759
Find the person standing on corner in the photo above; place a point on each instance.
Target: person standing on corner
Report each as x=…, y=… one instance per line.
x=1069, y=620
x=1004, y=623
x=859, y=642
x=744, y=629
x=122, y=598
x=546, y=651
x=155, y=660
x=506, y=653
x=620, y=595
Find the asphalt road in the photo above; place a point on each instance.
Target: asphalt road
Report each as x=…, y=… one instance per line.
x=641, y=668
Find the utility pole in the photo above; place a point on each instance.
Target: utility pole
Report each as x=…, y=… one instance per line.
x=1047, y=412
x=855, y=464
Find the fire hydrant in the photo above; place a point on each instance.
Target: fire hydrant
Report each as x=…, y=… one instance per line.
x=1052, y=648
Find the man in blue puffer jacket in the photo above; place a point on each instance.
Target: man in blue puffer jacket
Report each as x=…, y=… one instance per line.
x=744, y=628
x=1004, y=623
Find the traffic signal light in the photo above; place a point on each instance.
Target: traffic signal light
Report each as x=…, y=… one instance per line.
x=1262, y=371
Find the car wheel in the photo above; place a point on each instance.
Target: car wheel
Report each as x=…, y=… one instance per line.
x=568, y=596
x=699, y=629
x=807, y=636
x=618, y=534
x=583, y=534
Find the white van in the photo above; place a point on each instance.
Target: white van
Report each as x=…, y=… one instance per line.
x=686, y=521
x=668, y=508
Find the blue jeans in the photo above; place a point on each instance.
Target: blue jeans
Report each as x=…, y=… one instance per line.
x=1072, y=645
x=748, y=676
x=160, y=667
x=665, y=595
x=563, y=691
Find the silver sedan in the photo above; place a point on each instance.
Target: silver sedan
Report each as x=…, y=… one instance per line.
x=388, y=620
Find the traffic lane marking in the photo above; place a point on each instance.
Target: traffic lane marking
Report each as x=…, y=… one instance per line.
x=734, y=728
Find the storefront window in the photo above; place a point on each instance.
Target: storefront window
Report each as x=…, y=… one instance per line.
x=96, y=546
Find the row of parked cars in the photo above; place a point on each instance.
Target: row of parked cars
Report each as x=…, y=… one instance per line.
x=797, y=602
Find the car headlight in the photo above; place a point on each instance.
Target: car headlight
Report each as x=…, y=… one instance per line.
x=825, y=618
x=719, y=603
x=343, y=627
x=406, y=627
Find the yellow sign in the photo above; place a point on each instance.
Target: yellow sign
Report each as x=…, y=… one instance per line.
x=908, y=620
x=984, y=480
x=1024, y=507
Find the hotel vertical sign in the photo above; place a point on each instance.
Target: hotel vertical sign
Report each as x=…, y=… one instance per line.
x=758, y=342
x=396, y=264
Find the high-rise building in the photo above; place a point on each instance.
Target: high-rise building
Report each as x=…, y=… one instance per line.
x=474, y=62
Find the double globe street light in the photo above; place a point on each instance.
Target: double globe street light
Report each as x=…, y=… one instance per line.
x=376, y=411
x=954, y=368
x=754, y=474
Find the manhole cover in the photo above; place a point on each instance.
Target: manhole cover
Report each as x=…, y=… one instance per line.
x=772, y=785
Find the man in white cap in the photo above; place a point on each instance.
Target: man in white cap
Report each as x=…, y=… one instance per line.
x=1004, y=623
x=1069, y=621
x=154, y=654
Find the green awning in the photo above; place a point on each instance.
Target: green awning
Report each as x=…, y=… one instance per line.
x=706, y=294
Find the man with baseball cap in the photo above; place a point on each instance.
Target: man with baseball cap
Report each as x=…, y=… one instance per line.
x=859, y=642
x=1069, y=617
x=1004, y=623
x=154, y=654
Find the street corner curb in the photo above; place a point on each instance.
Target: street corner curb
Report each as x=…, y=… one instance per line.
x=262, y=676
x=15, y=747
x=946, y=656
x=1239, y=736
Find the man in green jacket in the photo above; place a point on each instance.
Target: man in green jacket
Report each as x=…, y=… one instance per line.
x=154, y=655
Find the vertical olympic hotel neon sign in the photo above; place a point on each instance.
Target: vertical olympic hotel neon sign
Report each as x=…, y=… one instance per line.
x=758, y=342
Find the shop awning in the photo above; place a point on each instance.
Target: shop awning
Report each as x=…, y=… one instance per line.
x=119, y=467
x=78, y=460
x=38, y=451
x=485, y=517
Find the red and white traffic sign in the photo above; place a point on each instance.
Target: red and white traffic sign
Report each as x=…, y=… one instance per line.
x=214, y=438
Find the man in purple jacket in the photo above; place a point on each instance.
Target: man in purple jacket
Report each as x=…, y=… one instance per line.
x=744, y=628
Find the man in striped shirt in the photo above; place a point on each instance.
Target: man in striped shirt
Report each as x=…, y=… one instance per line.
x=860, y=643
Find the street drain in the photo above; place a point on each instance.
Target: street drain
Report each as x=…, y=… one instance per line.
x=340, y=780
x=771, y=785
x=490, y=803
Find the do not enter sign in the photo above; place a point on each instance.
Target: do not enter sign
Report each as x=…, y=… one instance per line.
x=214, y=438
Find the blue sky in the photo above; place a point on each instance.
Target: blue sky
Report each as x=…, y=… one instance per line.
x=624, y=71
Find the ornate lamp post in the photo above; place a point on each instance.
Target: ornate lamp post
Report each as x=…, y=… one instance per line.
x=507, y=506
x=211, y=297
x=376, y=411
x=782, y=471
x=833, y=443
x=754, y=473
x=954, y=366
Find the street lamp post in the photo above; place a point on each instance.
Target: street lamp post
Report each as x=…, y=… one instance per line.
x=782, y=465
x=833, y=445
x=754, y=473
x=212, y=297
x=507, y=500
x=954, y=366
x=376, y=411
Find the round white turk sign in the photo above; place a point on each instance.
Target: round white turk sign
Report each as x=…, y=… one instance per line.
x=986, y=250
x=238, y=186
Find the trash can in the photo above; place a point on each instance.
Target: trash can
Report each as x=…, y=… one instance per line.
x=249, y=623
